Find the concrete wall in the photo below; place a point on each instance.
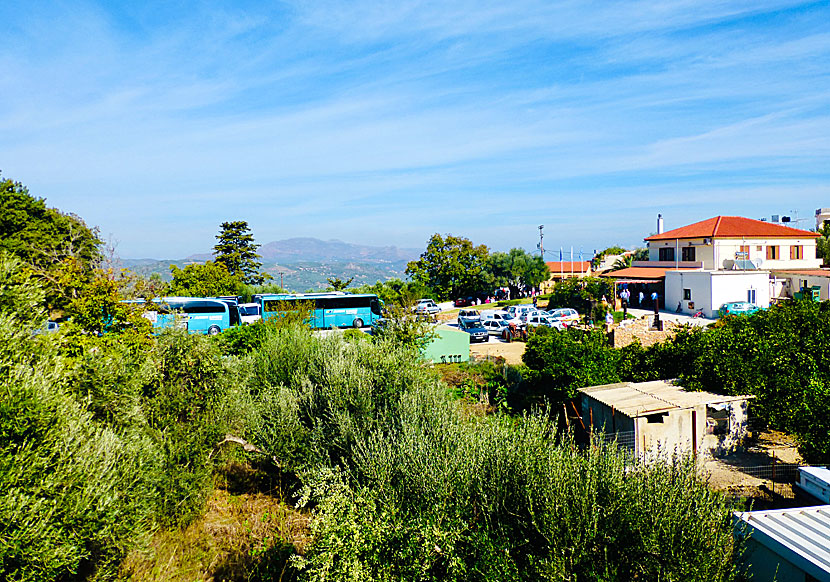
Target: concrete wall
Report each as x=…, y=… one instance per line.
x=704, y=253
x=673, y=431
x=793, y=282
x=766, y=566
x=711, y=289
x=726, y=248
x=720, y=253
x=640, y=329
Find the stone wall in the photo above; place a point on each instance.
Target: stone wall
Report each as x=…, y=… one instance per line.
x=631, y=329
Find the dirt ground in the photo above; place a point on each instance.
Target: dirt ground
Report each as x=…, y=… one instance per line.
x=511, y=352
x=750, y=473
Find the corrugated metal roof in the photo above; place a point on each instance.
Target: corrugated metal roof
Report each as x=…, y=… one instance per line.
x=638, y=399
x=802, y=531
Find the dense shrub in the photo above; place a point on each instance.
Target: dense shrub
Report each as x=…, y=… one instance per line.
x=560, y=363
x=443, y=498
x=318, y=394
x=72, y=496
x=777, y=355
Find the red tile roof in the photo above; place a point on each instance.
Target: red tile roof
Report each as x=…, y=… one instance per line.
x=640, y=273
x=732, y=227
x=565, y=266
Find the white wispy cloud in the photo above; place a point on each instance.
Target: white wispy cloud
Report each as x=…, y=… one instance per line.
x=385, y=122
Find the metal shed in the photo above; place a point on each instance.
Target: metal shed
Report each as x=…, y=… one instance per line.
x=786, y=544
x=652, y=416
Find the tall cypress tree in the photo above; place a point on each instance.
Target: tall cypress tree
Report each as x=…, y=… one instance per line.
x=236, y=250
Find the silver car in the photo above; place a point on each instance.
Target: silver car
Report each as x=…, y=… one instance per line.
x=494, y=326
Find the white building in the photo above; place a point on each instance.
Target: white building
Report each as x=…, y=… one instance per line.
x=786, y=544
x=659, y=416
x=727, y=259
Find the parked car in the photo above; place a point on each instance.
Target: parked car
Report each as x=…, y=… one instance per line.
x=495, y=314
x=426, y=306
x=518, y=310
x=468, y=315
x=541, y=318
x=478, y=333
x=738, y=308
x=566, y=315
x=494, y=326
x=464, y=301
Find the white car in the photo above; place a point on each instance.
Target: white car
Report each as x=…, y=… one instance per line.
x=249, y=312
x=566, y=315
x=496, y=315
x=427, y=306
x=537, y=319
x=494, y=326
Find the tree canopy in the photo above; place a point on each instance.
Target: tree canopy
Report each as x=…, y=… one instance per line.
x=211, y=279
x=40, y=236
x=452, y=267
x=517, y=269
x=236, y=250
x=59, y=247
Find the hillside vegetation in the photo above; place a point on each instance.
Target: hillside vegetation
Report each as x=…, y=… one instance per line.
x=112, y=441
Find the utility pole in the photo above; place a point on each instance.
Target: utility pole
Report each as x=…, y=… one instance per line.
x=541, y=239
x=281, y=286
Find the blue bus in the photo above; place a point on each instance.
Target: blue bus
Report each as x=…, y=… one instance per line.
x=329, y=310
x=195, y=314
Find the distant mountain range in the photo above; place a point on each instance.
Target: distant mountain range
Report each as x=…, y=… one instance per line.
x=306, y=263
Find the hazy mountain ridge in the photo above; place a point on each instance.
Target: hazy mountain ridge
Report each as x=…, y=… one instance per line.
x=306, y=263
x=308, y=249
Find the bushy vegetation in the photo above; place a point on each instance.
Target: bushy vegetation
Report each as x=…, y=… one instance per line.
x=108, y=437
x=777, y=355
x=583, y=294
x=101, y=441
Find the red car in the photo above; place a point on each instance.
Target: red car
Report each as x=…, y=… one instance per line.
x=463, y=301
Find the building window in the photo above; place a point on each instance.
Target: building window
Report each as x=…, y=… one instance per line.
x=759, y=248
x=796, y=252
x=688, y=254
x=744, y=250
x=666, y=254
x=750, y=295
x=772, y=253
x=687, y=294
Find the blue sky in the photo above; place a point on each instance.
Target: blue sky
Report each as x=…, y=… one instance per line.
x=385, y=122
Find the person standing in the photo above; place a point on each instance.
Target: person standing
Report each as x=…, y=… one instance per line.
x=655, y=302
x=640, y=299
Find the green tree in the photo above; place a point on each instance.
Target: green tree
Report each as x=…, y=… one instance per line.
x=46, y=240
x=561, y=363
x=211, y=279
x=452, y=267
x=823, y=244
x=517, y=269
x=339, y=284
x=397, y=291
x=622, y=263
x=236, y=250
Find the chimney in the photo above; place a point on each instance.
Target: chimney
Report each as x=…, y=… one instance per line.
x=659, y=224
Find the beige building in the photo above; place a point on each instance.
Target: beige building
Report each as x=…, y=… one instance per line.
x=560, y=270
x=727, y=259
x=659, y=416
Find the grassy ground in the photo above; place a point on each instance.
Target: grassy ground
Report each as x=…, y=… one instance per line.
x=247, y=533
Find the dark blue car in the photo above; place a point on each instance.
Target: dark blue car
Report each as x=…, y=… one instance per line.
x=478, y=333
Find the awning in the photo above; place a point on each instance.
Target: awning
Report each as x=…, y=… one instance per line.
x=637, y=275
